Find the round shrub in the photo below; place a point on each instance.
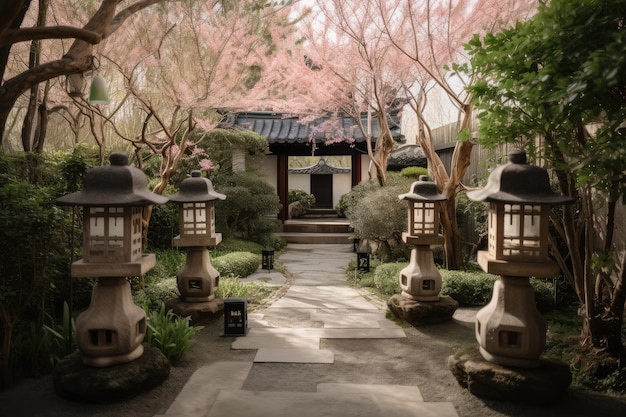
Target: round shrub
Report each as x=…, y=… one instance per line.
x=305, y=199
x=380, y=217
x=237, y=264
x=154, y=294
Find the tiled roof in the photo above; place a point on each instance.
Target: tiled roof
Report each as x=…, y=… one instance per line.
x=281, y=128
x=406, y=156
x=320, y=168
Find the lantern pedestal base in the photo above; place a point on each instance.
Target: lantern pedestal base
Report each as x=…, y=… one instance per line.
x=111, y=330
x=74, y=380
x=421, y=280
x=199, y=312
x=542, y=385
x=422, y=312
x=198, y=279
x=103, y=361
x=509, y=329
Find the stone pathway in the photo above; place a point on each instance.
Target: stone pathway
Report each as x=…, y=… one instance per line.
x=317, y=305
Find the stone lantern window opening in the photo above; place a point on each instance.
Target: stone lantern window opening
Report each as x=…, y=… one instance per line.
x=516, y=231
x=197, y=219
x=112, y=234
x=423, y=218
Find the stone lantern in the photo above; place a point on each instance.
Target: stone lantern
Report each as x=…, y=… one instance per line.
x=419, y=302
x=198, y=279
x=510, y=329
x=111, y=330
x=421, y=279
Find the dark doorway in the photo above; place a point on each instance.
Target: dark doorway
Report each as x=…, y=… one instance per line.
x=322, y=189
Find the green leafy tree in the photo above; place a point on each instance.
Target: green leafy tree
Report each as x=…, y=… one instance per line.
x=556, y=85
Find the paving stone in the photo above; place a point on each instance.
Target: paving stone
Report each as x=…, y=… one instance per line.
x=295, y=356
x=395, y=392
x=350, y=320
x=381, y=333
x=322, y=297
x=275, y=341
x=204, y=386
x=315, y=404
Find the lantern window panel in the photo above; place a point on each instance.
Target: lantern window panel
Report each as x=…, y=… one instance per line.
x=423, y=219
x=136, y=238
x=113, y=234
x=197, y=218
x=521, y=231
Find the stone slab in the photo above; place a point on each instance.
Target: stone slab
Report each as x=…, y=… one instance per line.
x=403, y=393
x=349, y=320
x=316, y=404
x=276, y=341
x=321, y=333
x=204, y=386
x=318, y=297
x=295, y=356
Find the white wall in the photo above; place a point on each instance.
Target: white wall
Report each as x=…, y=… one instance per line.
x=300, y=182
x=342, y=183
x=268, y=169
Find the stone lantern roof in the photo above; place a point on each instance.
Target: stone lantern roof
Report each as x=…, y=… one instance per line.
x=518, y=182
x=117, y=184
x=196, y=189
x=423, y=190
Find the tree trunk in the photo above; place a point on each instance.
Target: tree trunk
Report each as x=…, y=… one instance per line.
x=7, y=335
x=453, y=243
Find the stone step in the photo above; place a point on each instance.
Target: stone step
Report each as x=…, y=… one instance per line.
x=317, y=238
x=378, y=401
x=316, y=227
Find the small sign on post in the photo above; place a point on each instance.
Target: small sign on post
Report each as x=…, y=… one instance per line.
x=235, y=317
x=363, y=261
x=267, y=259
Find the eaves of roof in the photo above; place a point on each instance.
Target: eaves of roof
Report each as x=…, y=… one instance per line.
x=282, y=128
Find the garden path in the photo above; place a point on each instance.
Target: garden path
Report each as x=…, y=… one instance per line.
x=317, y=306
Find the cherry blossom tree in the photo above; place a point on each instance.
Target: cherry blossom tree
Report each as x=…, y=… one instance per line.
x=17, y=26
x=376, y=55
x=431, y=34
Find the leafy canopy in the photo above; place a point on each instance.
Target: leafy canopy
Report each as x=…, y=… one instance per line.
x=560, y=76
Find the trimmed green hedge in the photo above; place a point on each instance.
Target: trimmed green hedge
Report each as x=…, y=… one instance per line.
x=237, y=264
x=469, y=288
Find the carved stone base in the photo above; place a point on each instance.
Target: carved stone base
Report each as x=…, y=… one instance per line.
x=422, y=312
x=76, y=381
x=199, y=312
x=542, y=385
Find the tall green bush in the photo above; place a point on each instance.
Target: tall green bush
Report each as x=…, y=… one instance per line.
x=379, y=216
x=250, y=209
x=34, y=237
